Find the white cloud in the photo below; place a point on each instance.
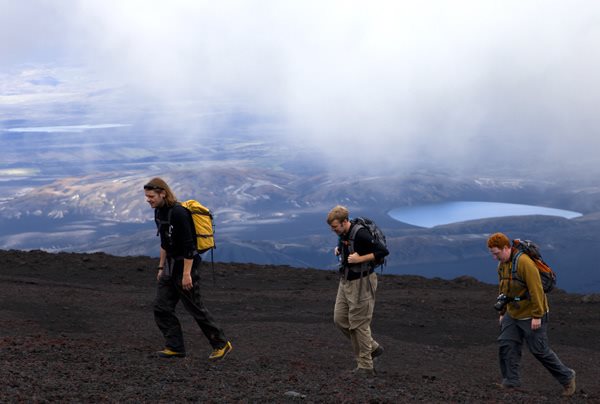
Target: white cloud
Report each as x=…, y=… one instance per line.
x=65, y=129
x=465, y=82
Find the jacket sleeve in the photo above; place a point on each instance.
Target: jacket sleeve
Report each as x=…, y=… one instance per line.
x=531, y=276
x=365, y=244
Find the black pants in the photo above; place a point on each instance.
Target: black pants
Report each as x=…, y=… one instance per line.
x=168, y=294
x=513, y=333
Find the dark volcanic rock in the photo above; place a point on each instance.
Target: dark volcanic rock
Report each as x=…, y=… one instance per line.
x=79, y=328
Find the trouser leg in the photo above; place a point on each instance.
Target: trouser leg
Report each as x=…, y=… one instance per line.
x=509, y=355
x=341, y=311
x=360, y=315
x=164, y=314
x=192, y=301
x=537, y=342
x=509, y=351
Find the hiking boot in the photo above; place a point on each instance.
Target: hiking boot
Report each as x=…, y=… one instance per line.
x=377, y=353
x=364, y=372
x=220, y=353
x=508, y=387
x=169, y=353
x=569, y=388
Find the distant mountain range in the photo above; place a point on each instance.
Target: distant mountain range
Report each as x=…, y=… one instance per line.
x=269, y=215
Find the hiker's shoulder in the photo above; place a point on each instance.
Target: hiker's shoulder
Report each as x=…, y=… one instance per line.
x=525, y=260
x=525, y=265
x=179, y=210
x=361, y=233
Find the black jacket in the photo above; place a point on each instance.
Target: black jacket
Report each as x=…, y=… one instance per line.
x=177, y=234
x=363, y=244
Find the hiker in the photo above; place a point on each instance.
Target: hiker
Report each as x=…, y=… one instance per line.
x=523, y=308
x=355, y=300
x=178, y=275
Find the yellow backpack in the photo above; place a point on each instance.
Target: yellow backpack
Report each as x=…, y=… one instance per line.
x=203, y=225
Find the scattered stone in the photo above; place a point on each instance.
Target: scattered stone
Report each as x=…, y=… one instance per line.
x=591, y=298
x=294, y=394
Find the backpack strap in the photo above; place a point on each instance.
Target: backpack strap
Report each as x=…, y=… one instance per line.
x=514, y=265
x=355, y=228
x=160, y=222
x=170, y=228
x=513, y=274
x=365, y=266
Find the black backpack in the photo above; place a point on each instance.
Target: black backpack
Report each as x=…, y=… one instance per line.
x=531, y=249
x=374, y=230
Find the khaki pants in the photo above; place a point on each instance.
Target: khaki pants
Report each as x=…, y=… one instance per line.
x=353, y=312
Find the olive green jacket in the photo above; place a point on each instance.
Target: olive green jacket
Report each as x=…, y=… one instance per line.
x=528, y=286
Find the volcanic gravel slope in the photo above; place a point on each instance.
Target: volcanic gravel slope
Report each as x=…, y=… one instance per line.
x=80, y=328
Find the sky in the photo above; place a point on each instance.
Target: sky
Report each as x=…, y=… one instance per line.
x=395, y=84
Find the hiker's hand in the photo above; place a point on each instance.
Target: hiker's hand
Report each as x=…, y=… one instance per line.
x=336, y=251
x=186, y=282
x=159, y=274
x=536, y=323
x=354, y=258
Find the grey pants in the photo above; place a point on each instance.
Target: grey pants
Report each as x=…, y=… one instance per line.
x=512, y=334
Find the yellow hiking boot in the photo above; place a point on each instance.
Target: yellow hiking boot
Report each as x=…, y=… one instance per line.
x=220, y=353
x=168, y=353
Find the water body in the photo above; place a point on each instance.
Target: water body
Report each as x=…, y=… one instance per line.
x=452, y=212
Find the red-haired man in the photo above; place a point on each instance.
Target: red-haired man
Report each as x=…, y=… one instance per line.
x=523, y=308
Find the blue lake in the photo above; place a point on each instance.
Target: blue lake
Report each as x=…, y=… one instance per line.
x=451, y=212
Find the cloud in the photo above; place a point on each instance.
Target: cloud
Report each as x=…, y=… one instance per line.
x=65, y=129
x=395, y=84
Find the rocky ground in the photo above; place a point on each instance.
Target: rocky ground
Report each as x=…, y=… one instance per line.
x=80, y=328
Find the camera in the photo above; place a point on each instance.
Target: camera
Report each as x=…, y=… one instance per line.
x=501, y=301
